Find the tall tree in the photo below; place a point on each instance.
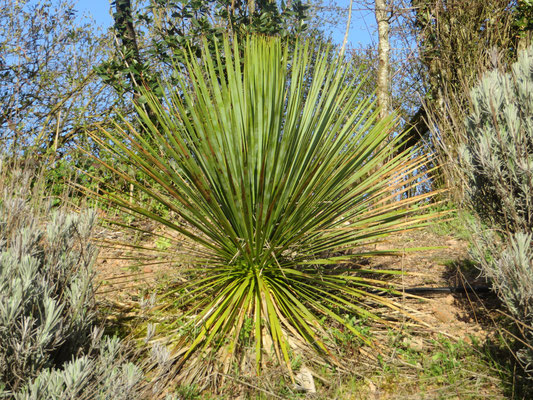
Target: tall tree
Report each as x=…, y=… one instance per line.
x=170, y=27
x=48, y=91
x=383, y=13
x=129, y=51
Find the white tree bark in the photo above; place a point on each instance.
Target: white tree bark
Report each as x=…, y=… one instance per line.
x=383, y=16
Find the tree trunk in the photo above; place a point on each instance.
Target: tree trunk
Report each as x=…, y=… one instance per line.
x=383, y=15
x=415, y=130
x=126, y=34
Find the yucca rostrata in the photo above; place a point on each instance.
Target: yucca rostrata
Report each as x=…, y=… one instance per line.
x=273, y=166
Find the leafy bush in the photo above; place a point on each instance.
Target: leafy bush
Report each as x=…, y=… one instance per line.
x=498, y=161
x=49, y=346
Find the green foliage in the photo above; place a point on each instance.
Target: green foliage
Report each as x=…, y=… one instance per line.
x=449, y=362
x=188, y=392
x=498, y=161
x=271, y=165
x=180, y=24
x=457, y=222
x=421, y=367
x=523, y=18
x=173, y=28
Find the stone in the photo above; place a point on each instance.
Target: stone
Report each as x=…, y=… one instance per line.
x=305, y=380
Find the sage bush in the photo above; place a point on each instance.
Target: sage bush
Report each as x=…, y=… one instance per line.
x=498, y=161
x=50, y=347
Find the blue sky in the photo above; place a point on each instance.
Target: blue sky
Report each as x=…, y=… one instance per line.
x=362, y=29
x=99, y=10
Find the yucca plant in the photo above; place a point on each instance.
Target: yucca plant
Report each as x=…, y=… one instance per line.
x=271, y=167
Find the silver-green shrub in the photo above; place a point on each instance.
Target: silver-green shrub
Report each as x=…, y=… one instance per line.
x=498, y=158
x=498, y=163
x=83, y=378
x=508, y=263
x=46, y=292
x=50, y=347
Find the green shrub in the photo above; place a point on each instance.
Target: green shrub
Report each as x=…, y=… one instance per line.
x=498, y=161
x=272, y=164
x=49, y=345
x=510, y=268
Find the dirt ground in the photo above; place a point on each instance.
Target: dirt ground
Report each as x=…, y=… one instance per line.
x=444, y=266
x=454, y=315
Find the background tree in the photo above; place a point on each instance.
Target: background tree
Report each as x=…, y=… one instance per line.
x=383, y=15
x=439, y=48
x=48, y=90
x=163, y=29
x=456, y=44
x=523, y=23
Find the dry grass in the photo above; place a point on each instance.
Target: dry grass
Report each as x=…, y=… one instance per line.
x=454, y=351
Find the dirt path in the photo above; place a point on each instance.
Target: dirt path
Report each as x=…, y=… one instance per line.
x=446, y=360
x=445, y=266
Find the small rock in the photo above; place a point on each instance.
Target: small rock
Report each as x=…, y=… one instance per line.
x=371, y=386
x=442, y=314
x=449, y=299
x=414, y=343
x=305, y=380
x=417, y=344
x=452, y=243
x=382, y=247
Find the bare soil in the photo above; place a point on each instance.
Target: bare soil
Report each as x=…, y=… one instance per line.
x=445, y=266
x=466, y=317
